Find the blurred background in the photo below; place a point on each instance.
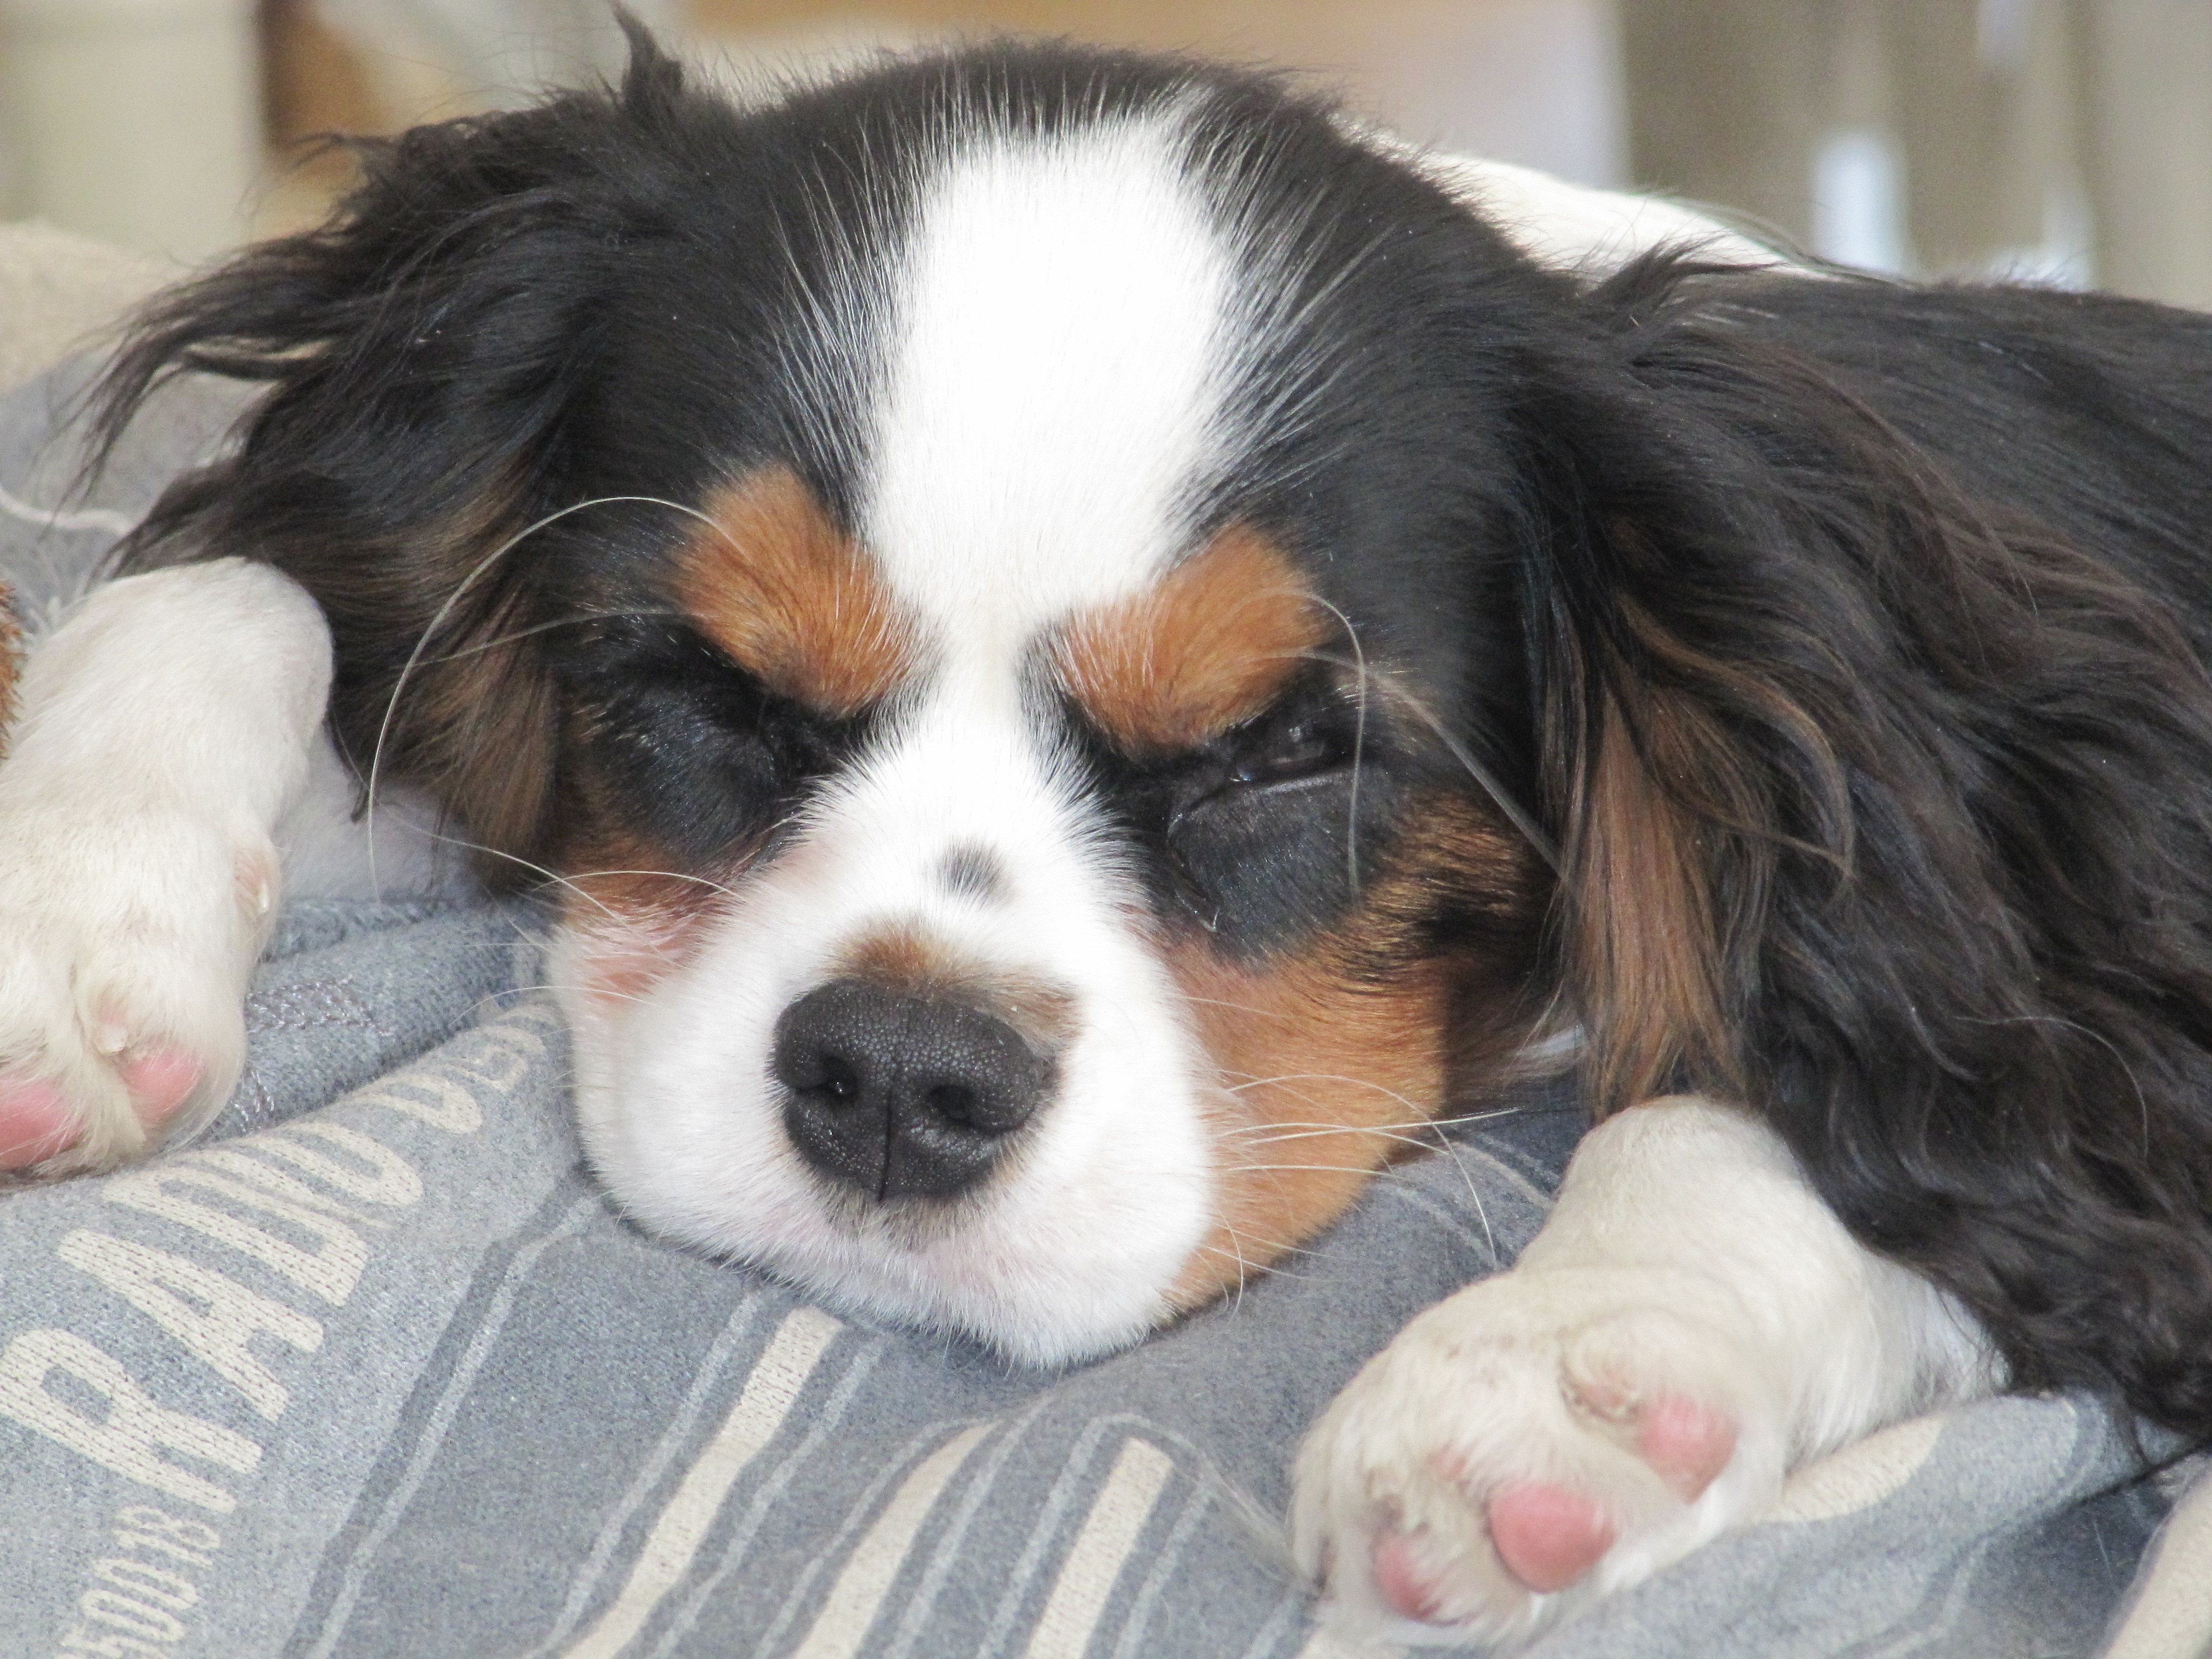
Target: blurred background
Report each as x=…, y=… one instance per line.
x=2066, y=141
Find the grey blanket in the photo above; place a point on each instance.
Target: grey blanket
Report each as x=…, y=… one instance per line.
x=374, y=1369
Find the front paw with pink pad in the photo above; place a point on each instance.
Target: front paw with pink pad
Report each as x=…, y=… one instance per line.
x=1531, y=1444
x=37, y=1124
x=125, y=943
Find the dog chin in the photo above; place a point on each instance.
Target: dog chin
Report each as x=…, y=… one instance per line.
x=1069, y=1253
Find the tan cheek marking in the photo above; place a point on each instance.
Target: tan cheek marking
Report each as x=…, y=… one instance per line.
x=1324, y=1076
x=1328, y=1067
x=780, y=587
x=1207, y=648
x=639, y=920
x=1042, y=1012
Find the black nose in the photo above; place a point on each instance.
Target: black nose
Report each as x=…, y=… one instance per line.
x=902, y=1096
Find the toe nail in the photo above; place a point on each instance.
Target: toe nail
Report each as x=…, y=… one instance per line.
x=1548, y=1536
x=256, y=883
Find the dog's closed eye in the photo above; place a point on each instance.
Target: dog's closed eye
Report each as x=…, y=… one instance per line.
x=1304, y=749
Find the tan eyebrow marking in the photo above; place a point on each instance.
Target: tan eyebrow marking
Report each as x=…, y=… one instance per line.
x=1210, y=645
x=784, y=591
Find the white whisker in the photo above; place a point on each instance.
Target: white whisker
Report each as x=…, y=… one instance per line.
x=1321, y=1077
x=547, y=628
x=666, y=875
x=553, y=876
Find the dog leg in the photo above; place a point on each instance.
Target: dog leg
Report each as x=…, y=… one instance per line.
x=1691, y=1324
x=163, y=730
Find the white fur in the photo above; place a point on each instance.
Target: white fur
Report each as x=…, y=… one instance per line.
x=1050, y=398
x=325, y=841
x=165, y=727
x=1574, y=228
x=1685, y=1255
x=1048, y=403
x=166, y=776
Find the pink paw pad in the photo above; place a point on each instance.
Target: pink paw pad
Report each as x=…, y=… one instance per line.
x=1403, y=1581
x=159, y=1081
x=1548, y=1536
x=35, y=1123
x=1685, y=1442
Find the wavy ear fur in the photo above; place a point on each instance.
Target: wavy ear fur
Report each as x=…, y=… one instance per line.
x=1888, y=810
x=422, y=353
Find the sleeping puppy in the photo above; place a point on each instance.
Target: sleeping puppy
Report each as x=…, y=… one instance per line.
x=1089, y=652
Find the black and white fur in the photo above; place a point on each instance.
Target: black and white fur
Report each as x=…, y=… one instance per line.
x=1831, y=652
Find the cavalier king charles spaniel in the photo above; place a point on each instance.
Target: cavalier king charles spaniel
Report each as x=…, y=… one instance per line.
x=1061, y=623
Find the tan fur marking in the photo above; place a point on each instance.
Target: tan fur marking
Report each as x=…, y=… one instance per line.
x=476, y=722
x=1332, y=1061
x=1668, y=801
x=781, y=588
x=638, y=918
x=1205, y=648
x=904, y=959
x=490, y=717
x=1643, y=937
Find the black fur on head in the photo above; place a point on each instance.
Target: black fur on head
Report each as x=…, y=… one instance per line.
x=1846, y=642
x=421, y=349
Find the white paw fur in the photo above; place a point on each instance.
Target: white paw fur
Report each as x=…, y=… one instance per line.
x=164, y=727
x=1692, y=1323
x=1535, y=1382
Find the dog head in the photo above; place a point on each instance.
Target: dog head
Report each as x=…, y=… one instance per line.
x=1019, y=600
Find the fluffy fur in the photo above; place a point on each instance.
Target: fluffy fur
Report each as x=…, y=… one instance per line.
x=1132, y=575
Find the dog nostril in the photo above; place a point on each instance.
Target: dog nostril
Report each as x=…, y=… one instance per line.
x=951, y=1104
x=903, y=1095
x=831, y=1078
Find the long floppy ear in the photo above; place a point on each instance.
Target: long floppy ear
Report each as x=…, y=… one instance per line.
x=421, y=351
x=1690, y=616
x=1887, y=811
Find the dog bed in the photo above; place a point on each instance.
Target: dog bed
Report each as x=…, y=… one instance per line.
x=374, y=1369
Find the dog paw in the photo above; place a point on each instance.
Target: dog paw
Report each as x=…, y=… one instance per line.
x=127, y=940
x=1536, y=1441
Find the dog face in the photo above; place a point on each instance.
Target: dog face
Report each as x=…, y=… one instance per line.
x=1037, y=900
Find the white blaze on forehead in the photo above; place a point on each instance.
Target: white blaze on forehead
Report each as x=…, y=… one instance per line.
x=1050, y=396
